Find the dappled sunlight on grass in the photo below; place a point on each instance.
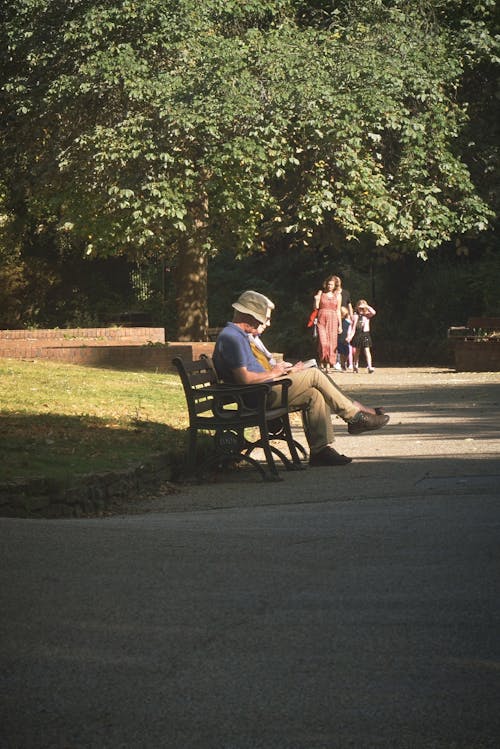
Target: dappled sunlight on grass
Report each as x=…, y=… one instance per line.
x=59, y=447
x=57, y=420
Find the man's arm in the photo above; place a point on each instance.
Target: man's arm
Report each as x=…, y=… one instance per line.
x=242, y=376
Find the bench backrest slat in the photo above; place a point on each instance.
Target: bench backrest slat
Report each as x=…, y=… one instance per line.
x=195, y=376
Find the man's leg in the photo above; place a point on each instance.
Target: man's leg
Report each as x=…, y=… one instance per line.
x=317, y=420
x=318, y=397
x=303, y=382
x=365, y=417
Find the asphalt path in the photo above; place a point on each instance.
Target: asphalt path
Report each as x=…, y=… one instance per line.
x=348, y=607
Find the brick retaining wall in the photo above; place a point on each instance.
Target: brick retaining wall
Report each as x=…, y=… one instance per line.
x=22, y=344
x=477, y=356
x=120, y=348
x=107, y=335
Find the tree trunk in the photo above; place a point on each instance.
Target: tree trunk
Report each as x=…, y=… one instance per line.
x=191, y=277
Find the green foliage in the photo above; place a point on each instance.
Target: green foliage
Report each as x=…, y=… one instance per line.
x=134, y=113
x=48, y=285
x=139, y=128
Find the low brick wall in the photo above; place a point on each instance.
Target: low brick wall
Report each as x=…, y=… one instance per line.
x=37, y=344
x=121, y=348
x=189, y=351
x=477, y=356
x=136, y=358
x=69, y=335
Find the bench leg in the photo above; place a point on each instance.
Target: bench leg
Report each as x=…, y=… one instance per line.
x=281, y=429
x=233, y=447
x=268, y=452
x=191, y=453
x=292, y=444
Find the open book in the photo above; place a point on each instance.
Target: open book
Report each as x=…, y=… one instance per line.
x=310, y=363
x=307, y=364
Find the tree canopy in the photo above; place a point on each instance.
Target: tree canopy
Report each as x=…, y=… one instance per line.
x=179, y=127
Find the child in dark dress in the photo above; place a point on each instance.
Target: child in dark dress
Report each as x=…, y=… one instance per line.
x=359, y=335
x=343, y=346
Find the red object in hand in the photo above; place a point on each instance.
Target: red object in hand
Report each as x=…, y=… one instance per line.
x=312, y=318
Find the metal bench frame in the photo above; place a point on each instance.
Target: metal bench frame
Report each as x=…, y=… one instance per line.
x=229, y=410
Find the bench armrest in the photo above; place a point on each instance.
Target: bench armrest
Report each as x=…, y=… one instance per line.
x=247, y=398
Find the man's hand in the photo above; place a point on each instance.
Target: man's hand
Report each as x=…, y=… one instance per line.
x=243, y=377
x=280, y=369
x=297, y=367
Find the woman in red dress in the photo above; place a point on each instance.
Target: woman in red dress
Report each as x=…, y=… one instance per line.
x=328, y=302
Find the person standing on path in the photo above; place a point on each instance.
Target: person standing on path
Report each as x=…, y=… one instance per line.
x=346, y=300
x=344, y=348
x=328, y=303
x=360, y=337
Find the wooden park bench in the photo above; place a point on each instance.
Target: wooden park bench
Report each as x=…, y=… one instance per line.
x=230, y=411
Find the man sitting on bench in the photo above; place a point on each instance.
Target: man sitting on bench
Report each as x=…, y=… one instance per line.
x=311, y=390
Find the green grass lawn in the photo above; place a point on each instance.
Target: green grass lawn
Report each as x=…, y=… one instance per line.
x=60, y=420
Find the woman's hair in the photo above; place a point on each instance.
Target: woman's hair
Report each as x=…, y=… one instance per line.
x=336, y=281
x=361, y=303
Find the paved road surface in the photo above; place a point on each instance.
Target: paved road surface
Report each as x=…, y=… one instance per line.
x=351, y=607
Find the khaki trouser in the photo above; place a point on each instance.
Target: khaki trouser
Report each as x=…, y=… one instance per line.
x=318, y=397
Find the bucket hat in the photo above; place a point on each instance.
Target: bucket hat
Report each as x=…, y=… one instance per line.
x=255, y=304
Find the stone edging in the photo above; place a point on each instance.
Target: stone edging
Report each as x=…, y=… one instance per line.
x=84, y=495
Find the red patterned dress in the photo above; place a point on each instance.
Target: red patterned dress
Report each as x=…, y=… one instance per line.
x=328, y=328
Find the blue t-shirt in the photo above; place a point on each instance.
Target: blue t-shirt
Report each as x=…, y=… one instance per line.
x=232, y=351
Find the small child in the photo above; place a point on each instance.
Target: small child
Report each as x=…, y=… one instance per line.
x=359, y=335
x=343, y=346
